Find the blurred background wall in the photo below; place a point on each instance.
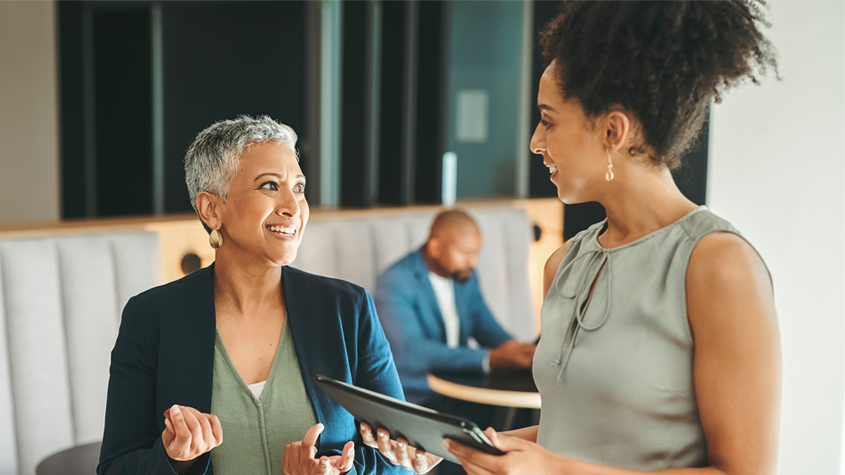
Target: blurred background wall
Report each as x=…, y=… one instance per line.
x=777, y=163
x=29, y=139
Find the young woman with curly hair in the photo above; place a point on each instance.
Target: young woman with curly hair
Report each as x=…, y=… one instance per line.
x=660, y=348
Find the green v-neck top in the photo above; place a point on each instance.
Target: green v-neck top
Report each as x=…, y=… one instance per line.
x=256, y=430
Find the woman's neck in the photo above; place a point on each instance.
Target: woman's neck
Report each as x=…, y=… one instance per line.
x=641, y=203
x=245, y=290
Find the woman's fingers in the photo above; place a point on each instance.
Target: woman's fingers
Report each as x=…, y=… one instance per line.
x=216, y=430
x=207, y=433
x=310, y=439
x=189, y=433
x=402, y=454
x=421, y=464
x=347, y=457
x=474, y=461
x=367, y=435
x=325, y=467
x=169, y=434
x=182, y=443
x=194, y=425
x=385, y=447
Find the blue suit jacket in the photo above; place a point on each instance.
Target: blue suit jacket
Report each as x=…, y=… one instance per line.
x=164, y=355
x=414, y=326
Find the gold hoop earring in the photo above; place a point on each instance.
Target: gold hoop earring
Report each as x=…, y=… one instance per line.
x=609, y=175
x=215, y=239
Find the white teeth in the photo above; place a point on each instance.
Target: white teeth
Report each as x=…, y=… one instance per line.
x=552, y=169
x=282, y=229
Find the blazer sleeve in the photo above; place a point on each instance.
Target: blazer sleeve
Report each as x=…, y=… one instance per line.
x=486, y=330
x=398, y=305
x=132, y=442
x=375, y=371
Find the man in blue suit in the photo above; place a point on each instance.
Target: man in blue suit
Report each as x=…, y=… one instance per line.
x=430, y=305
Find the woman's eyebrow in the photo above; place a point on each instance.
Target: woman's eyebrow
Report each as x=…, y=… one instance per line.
x=268, y=174
x=298, y=176
x=546, y=107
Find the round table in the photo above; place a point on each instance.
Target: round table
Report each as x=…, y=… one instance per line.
x=79, y=460
x=512, y=388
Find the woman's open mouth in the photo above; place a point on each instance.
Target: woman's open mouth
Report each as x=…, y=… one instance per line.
x=283, y=232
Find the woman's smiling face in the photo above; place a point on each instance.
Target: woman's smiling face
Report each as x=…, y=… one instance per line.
x=571, y=147
x=266, y=211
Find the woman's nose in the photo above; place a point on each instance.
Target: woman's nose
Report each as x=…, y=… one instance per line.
x=538, y=143
x=289, y=205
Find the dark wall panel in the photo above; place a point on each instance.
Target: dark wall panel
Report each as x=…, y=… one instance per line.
x=122, y=111
x=222, y=59
x=430, y=144
x=353, y=167
x=72, y=89
x=390, y=149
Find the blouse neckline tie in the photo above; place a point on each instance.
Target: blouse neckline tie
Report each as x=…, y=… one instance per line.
x=596, y=260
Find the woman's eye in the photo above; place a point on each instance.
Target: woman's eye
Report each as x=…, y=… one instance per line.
x=299, y=188
x=545, y=124
x=270, y=185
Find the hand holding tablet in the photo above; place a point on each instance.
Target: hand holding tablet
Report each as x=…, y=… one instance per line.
x=398, y=451
x=416, y=427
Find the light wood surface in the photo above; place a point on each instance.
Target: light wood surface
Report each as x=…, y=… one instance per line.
x=494, y=397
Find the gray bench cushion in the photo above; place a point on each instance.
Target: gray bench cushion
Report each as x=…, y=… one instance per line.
x=60, y=301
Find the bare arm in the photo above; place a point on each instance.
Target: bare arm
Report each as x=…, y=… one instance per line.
x=737, y=372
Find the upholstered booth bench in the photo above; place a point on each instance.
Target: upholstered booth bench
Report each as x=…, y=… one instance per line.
x=60, y=301
x=61, y=298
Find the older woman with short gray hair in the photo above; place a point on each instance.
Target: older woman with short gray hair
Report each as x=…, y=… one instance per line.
x=232, y=349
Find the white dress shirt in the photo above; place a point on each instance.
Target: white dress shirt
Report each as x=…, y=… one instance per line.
x=444, y=290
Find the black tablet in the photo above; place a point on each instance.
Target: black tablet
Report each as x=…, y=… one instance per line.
x=422, y=427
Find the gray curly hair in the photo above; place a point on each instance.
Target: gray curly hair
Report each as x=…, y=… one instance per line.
x=213, y=158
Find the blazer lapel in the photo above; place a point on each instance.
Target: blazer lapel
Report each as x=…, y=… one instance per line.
x=187, y=369
x=423, y=283
x=306, y=336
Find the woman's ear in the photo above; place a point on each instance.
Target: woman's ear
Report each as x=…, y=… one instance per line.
x=617, y=130
x=209, y=209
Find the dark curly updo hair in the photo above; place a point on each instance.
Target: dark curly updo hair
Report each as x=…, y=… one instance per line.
x=663, y=61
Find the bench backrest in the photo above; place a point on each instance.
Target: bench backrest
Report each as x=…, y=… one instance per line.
x=60, y=302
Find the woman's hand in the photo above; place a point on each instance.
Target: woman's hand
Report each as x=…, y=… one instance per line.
x=398, y=452
x=188, y=434
x=521, y=457
x=298, y=458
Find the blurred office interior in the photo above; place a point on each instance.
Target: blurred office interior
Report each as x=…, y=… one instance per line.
x=100, y=99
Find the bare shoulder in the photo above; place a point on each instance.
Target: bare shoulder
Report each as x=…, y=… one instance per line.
x=550, y=269
x=727, y=279
x=725, y=258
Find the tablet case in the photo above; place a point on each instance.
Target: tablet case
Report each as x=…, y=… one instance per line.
x=422, y=427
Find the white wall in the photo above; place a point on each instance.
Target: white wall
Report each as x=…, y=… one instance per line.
x=29, y=124
x=777, y=171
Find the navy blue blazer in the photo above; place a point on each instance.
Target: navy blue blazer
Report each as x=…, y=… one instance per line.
x=164, y=355
x=414, y=326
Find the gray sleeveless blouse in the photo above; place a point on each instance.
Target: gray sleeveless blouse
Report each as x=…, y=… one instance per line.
x=616, y=372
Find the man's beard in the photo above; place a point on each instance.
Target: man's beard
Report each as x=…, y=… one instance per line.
x=462, y=277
